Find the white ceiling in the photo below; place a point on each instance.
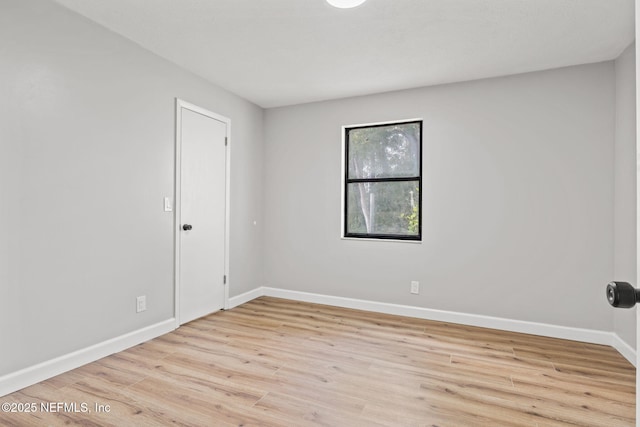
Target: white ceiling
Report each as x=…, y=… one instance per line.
x=284, y=52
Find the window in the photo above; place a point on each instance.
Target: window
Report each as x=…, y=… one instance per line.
x=383, y=182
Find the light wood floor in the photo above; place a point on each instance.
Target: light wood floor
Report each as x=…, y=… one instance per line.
x=273, y=362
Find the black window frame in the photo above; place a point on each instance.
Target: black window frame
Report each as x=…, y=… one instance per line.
x=347, y=181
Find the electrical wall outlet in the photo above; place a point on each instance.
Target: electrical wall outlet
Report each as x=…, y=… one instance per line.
x=415, y=287
x=141, y=303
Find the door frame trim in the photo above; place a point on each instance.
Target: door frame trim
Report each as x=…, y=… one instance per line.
x=179, y=105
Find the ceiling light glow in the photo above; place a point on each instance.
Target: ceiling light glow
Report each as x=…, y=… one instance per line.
x=345, y=4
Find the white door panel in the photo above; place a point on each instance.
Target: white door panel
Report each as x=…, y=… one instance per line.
x=637, y=20
x=201, y=261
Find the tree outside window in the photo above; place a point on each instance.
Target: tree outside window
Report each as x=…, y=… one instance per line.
x=383, y=183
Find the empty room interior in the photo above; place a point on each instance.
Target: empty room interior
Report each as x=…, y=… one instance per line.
x=287, y=212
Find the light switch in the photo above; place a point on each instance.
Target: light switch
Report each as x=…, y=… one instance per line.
x=167, y=204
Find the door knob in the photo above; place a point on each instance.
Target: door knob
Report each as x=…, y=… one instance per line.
x=622, y=294
x=187, y=227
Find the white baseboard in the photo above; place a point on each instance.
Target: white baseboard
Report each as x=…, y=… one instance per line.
x=624, y=349
x=534, y=328
x=245, y=297
x=34, y=374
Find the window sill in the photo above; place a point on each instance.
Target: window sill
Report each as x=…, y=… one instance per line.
x=364, y=239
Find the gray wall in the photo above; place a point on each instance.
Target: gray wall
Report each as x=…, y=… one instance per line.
x=518, y=199
x=625, y=188
x=86, y=157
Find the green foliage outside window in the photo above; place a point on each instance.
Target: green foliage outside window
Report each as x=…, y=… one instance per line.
x=383, y=181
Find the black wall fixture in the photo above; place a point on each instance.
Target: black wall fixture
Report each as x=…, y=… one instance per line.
x=622, y=294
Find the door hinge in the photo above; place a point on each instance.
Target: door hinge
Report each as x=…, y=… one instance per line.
x=224, y=279
x=226, y=141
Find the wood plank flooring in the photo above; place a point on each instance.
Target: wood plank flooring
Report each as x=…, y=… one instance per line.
x=274, y=362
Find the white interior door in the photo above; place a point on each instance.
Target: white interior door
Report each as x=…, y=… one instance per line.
x=637, y=4
x=201, y=212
